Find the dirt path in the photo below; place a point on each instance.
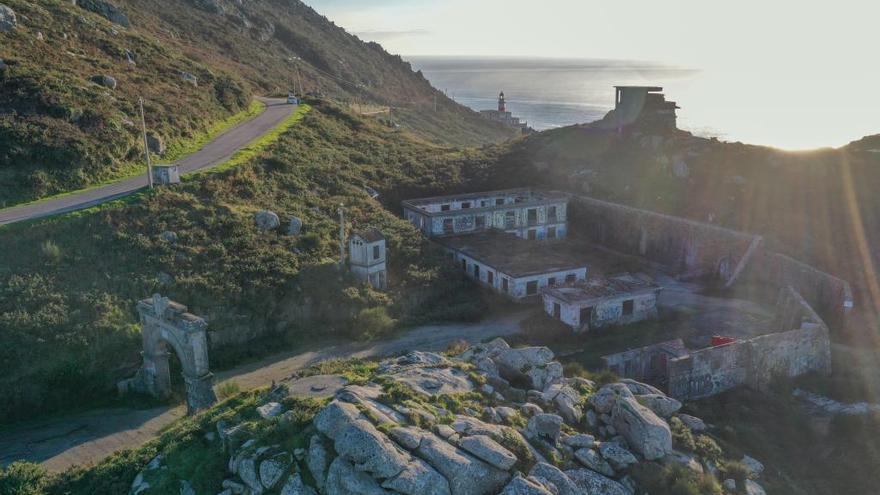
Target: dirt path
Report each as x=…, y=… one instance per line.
x=88, y=437
x=214, y=153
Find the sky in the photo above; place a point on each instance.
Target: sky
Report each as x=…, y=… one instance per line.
x=814, y=62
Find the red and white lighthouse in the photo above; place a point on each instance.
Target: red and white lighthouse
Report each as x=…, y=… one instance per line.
x=502, y=106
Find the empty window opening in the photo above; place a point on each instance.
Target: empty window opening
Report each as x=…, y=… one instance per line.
x=586, y=315
x=499, y=201
x=571, y=278
x=445, y=207
x=628, y=307
x=532, y=235
x=490, y=278
x=505, y=284
x=551, y=281
x=448, y=226
x=557, y=311
x=551, y=214
x=465, y=205
x=480, y=222
x=533, y=216
x=509, y=219
x=376, y=252
x=531, y=288
x=551, y=233
x=464, y=265
x=476, y=271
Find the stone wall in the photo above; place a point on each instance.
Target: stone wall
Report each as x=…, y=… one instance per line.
x=696, y=248
x=800, y=345
x=685, y=245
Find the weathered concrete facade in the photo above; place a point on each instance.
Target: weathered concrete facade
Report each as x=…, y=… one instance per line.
x=801, y=345
x=367, y=258
x=601, y=302
x=513, y=267
x=527, y=213
x=166, y=323
x=649, y=363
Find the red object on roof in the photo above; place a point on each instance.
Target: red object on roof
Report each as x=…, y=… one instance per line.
x=720, y=340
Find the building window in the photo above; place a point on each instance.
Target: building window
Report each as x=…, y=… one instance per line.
x=465, y=205
x=551, y=232
x=551, y=281
x=557, y=311
x=376, y=252
x=509, y=219
x=586, y=315
x=448, y=226
x=480, y=222
x=533, y=216
x=628, y=307
x=532, y=235
x=505, y=284
x=499, y=201
x=490, y=278
x=444, y=207
x=571, y=278
x=464, y=264
x=476, y=271
x=551, y=214
x=531, y=288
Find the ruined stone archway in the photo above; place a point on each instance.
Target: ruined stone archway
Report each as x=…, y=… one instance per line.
x=165, y=324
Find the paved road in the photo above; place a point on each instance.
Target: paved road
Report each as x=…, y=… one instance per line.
x=214, y=153
x=88, y=437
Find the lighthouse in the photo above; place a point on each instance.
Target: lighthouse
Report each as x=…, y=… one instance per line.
x=502, y=106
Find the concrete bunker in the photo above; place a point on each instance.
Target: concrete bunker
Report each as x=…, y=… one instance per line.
x=166, y=325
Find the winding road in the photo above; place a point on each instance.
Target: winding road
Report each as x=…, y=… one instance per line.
x=88, y=437
x=214, y=153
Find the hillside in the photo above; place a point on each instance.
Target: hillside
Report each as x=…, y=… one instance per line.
x=68, y=284
x=71, y=76
x=818, y=206
x=484, y=420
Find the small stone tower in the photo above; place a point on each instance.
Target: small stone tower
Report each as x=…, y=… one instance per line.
x=367, y=255
x=502, y=105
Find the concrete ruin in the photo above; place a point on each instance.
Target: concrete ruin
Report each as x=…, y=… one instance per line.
x=528, y=213
x=602, y=302
x=166, y=323
x=799, y=344
x=366, y=258
x=644, y=107
x=166, y=174
x=511, y=266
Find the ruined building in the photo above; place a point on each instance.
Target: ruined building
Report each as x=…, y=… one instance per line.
x=642, y=107
x=527, y=213
x=367, y=256
x=600, y=302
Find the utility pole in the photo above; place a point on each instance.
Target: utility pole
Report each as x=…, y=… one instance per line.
x=146, y=144
x=341, y=237
x=435, y=102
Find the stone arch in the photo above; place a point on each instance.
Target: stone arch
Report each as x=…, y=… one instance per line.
x=166, y=324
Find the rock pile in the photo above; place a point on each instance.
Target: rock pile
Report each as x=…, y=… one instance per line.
x=494, y=420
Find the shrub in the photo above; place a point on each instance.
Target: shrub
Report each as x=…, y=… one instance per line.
x=736, y=471
x=681, y=435
x=227, y=389
x=50, y=251
x=373, y=323
x=456, y=347
x=22, y=478
x=706, y=447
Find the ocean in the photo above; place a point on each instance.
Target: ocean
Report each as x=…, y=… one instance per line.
x=734, y=104
x=547, y=93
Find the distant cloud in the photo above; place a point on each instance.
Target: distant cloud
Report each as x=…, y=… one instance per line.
x=385, y=35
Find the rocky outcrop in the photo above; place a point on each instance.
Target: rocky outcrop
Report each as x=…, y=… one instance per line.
x=8, y=20
x=106, y=10
x=266, y=220
x=576, y=442
x=105, y=80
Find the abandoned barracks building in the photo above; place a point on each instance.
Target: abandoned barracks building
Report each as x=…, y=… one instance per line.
x=367, y=257
x=528, y=213
x=600, y=302
x=512, y=266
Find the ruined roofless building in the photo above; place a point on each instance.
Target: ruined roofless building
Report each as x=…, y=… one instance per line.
x=367, y=256
x=644, y=107
x=525, y=212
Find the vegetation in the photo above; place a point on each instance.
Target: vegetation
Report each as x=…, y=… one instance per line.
x=64, y=126
x=68, y=329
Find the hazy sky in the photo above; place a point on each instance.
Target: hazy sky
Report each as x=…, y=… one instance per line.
x=816, y=60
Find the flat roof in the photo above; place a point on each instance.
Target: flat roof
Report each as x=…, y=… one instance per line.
x=515, y=256
x=525, y=195
x=598, y=288
x=647, y=88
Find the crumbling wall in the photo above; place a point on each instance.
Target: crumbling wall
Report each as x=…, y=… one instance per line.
x=698, y=248
x=830, y=296
x=685, y=245
x=759, y=361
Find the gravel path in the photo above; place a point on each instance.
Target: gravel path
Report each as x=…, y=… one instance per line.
x=88, y=437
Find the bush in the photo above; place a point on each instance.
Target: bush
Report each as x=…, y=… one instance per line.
x=374, y=323
x=736, y=471
x=456, y=347
x=51, y=252
x=22, y=478
x=227, y=389
x=706, y=447
x=674, y=479
x=682, y=437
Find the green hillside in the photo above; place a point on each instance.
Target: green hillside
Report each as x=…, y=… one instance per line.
x=64, y=125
